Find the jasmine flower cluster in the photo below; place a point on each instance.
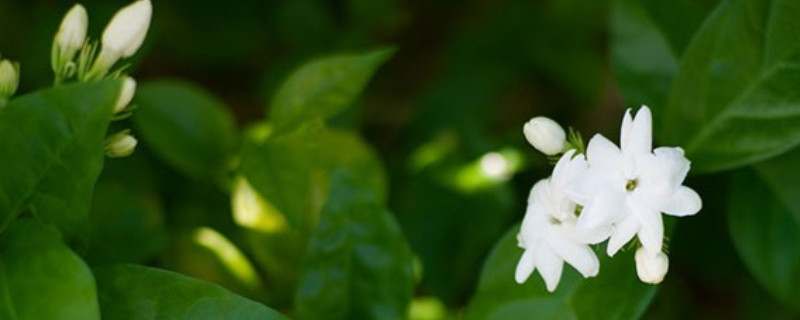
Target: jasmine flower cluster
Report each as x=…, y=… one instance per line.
x=609, y=193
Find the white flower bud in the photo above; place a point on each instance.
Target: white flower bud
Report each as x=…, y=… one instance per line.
x=126, y=31
x=9, y=78
x=545, y=135
x=72, y=33
x=126, y=95
x=120, y=145
x=651, y=269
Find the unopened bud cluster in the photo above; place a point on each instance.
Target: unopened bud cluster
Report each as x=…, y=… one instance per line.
x=75, y=56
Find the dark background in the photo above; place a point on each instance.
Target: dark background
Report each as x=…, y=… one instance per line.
x=466, y=76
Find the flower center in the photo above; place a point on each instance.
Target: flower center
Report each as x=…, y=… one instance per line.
x=631, y=185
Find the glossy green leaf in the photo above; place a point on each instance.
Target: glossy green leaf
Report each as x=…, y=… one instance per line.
x=291, y=170
x=764, y=223
x=616, y=293
x=324, y=87
x=186, y=127
x=647, y=40
x=644, y=64
x=735, y=99
x=357, y=265
x=129, y=292
x=52, y=146
x=40, y=278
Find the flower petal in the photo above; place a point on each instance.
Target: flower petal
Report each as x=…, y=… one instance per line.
x=625, y=131
x=664, y=171
x=524, y=267
x=684, y=202
x=581, y=257
x=607, y=207
x=549, y=266
x=623, y=233
x=651, y=231
x=567, y=169
x=640, y=137
x=603, y=153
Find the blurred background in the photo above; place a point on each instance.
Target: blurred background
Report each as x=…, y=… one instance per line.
x=445, y=115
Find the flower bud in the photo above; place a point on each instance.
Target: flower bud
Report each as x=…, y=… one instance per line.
x=651, y=269
x=72, y=33
x=126, y=95
x=545, y=135
x=9, y=78
x=126, y=31
x=120, y=145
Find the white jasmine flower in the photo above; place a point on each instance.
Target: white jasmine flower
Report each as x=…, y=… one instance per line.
x=126, y=95
x=545, y=135
x=630, y=187
x=72, y=33
x=651, y=268
x=549, y=233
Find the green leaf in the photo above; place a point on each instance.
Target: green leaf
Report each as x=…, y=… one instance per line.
x=129, y=292
x=647, y=39
x=186, y=127
x=291, y=169
x=644, y=65
x=324, y=87
x=735, y=99
x=52, y=146
x=357, y=265
x=40, y=278
x=616, y=293
x=764, y=222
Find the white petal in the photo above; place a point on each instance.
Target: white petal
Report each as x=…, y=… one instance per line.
x=651, y=231
x=663, y=171
x=684, y=202
x=568, y=168
x=524, y=267
x=603, y=153
x=595, y=235
x=625, y=131
x=581, y=257
x=585, y=187
x=623, y=233
x=539, y=192
x=532, y=225
x=607, y=207
x=549, y=266
x=640, y=137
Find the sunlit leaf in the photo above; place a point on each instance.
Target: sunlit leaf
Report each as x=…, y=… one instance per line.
x=291, y=170
x=52, y=153
x=129, y=292
x=358, y=265
x=324, y=87
x=40, y=278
